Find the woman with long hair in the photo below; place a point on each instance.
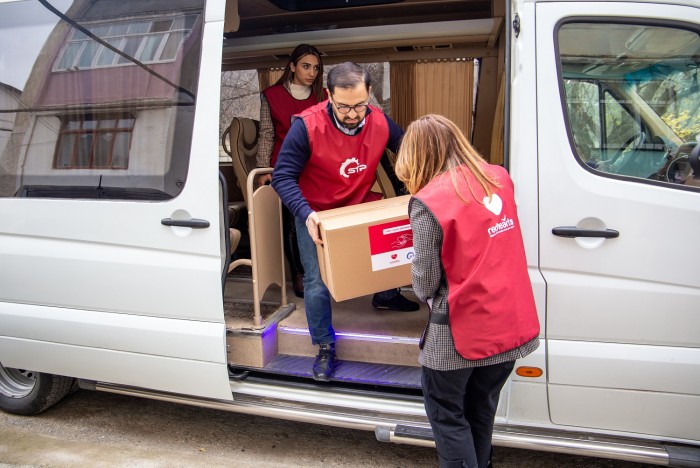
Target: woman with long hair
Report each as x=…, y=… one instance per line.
x=470, y=268
x=299, y=87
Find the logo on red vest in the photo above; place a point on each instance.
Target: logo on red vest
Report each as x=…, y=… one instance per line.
x=505, y=224
x=351, y=166
x=494, y=204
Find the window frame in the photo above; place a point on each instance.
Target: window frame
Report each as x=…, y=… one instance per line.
x=95, y=133
x=75, y=36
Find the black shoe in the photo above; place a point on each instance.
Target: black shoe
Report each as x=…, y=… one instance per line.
x=298, y=284
x=324, y=365
x=397, y=302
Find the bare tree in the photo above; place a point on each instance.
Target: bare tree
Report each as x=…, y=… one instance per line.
x=240, y=97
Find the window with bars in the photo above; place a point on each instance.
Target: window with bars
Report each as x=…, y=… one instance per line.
x=148, y=41
x=94, y=142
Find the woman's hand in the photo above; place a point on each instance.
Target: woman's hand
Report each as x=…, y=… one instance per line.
x=264, y=179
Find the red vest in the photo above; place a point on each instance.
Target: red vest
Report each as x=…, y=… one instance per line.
x=282, y=107
x=490, y=302
x=342, y=168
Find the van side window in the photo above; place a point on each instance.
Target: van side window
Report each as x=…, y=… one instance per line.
x=96, y=108
x=632, y=106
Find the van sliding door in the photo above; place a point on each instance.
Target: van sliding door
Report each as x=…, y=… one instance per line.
x=620, y=214
x=109, y=225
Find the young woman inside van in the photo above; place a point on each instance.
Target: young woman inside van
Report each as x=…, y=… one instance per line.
x=299, y=87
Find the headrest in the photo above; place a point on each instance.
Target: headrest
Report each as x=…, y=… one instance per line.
x=246, y=132
x=244, y=141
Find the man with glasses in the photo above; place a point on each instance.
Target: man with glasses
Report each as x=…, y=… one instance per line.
x=328, y=160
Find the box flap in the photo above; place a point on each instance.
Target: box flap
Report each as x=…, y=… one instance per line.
x=364, y=213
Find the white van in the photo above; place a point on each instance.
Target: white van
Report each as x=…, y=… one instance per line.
x=118, y=206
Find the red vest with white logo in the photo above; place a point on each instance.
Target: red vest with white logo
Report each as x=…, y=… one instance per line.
x=490, y=302
x=342, y=168
x=282, y=107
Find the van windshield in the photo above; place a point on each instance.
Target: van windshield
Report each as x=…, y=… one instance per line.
x=673, y=93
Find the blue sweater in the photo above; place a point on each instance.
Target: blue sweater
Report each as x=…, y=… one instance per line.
x=294, y=154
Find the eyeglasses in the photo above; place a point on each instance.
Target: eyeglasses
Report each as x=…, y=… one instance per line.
x=358, y=108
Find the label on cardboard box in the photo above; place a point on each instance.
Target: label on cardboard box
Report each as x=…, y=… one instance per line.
x=390, y=244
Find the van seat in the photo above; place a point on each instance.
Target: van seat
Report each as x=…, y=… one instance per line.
x=242, y=135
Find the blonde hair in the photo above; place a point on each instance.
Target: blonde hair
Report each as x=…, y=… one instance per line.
x=432, y=145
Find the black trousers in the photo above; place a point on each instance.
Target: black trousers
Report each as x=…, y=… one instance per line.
x=461, y=406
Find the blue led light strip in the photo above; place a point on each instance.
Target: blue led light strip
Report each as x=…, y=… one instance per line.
x=355, y=336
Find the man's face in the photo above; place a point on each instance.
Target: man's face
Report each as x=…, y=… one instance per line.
x=350, y=105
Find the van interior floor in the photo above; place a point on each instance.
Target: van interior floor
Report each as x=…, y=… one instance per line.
x=373, y=347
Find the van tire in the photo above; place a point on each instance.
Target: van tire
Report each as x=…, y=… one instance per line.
x=27, y=392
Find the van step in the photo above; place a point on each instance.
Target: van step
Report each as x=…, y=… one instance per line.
x=559, y=441
x=350, y=371
x=362, y=333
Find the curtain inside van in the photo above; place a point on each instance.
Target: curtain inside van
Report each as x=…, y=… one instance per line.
x=268, y=76
x=443, y=87
x=496, y=156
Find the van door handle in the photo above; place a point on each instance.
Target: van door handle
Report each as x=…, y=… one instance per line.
x=573, y=231
x=193, y=223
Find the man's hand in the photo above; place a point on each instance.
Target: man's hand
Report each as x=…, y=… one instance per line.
x=264, y=178
x=312, y=223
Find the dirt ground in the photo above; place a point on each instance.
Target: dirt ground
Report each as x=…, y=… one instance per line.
x=91, y=429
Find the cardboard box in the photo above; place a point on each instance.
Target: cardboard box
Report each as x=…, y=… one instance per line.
x=367, y=248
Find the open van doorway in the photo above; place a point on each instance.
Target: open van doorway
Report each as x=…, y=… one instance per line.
x=427, y=64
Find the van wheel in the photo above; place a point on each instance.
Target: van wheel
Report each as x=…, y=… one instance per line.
x=27, y=392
